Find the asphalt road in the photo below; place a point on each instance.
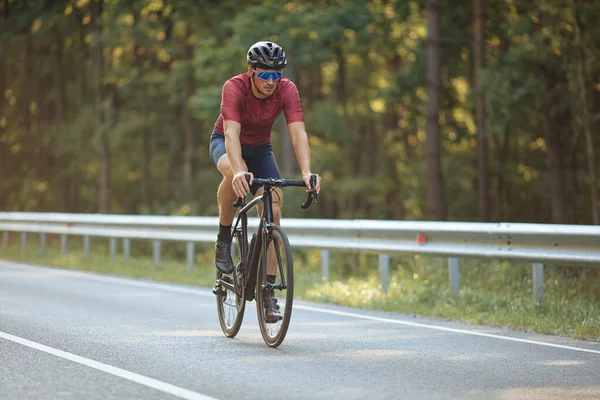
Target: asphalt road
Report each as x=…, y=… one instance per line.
x=70, y=335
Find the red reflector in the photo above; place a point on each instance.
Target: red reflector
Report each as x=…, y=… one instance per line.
x=69, y=224
x=420, y=239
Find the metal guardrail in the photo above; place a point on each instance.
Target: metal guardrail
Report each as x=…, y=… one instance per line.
x=565, y=244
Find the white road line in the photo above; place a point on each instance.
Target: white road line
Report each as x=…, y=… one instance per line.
x=183, y=290
x=442, y=328
x=109, y=369
x=105, y=279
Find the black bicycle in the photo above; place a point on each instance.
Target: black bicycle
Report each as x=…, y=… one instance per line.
x=269, y=251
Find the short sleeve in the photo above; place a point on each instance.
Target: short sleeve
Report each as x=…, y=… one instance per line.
x=291, y=104
x=231, y=101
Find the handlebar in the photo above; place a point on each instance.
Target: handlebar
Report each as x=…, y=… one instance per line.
x=312, y=194
x=273, y=182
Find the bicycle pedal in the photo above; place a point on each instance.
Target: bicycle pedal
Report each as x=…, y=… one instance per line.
x=219, y=291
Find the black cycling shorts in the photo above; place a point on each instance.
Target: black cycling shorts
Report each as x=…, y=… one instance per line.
x=259, y=159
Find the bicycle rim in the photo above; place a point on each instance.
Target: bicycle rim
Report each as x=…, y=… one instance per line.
x=230, y=306
x=274, y=333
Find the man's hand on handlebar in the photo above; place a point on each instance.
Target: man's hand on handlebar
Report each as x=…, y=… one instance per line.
x=241, y=186
x=317, y=185
x=312, y=184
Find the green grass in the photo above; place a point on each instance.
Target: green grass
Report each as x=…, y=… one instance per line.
x=492, y=292
x=138, y=265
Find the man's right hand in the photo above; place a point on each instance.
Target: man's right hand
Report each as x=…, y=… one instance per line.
x=239, y=183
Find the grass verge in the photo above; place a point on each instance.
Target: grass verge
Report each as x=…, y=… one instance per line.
x=492, y=292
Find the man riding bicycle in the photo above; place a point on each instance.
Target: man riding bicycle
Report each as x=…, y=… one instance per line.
x=241, y=143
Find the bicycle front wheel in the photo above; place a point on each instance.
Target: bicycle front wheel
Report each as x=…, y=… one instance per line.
x=231, y=305
x=279, y=263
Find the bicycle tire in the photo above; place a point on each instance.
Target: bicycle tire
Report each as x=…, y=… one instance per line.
x=274, y=333
x=231, y=318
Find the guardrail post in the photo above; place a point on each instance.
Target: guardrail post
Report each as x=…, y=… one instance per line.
x=384, y=271
x=63, y=244
x=43, y=243
x=113, y=248
x=5, y=239
x=157, y=252
x=325, y=264
x=86, y=247
x=126, y=249
x=538, y=283
x=190, y=255
x=453, y=275
x=23, y=240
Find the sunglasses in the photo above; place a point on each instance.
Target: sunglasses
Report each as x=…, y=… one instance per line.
x=265, y=76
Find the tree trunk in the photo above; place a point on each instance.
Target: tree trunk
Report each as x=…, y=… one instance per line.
x=27, y=74
x=3, y=153
x=394, y=196
x=557, y=134
x=353, y=162
x=146, y=156
x=145, y=133
x=555, y=167
x=317, y=87
x=342, y=74
x=60, y=120
x=81, y=55
x=433, y=165
x=585, y=109
x=187, y=124
x=96, y=7
x=503, y=153
x=482, y=142
x=105, y=173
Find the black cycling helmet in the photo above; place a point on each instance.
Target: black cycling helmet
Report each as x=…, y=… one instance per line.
x=267, y=55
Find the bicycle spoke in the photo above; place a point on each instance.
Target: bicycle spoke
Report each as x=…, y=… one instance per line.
x=230, y=314
x=274, y=333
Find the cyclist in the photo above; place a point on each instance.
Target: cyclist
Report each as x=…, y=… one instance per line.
x=241, y=143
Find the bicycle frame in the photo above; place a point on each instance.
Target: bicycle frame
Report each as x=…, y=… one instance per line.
x=250, y=261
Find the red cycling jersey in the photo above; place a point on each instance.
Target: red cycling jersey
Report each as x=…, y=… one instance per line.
x=254, y=115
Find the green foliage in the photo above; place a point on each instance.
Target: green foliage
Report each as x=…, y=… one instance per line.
x=361, y=70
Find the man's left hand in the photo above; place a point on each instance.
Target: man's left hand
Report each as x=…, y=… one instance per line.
x=306, y=179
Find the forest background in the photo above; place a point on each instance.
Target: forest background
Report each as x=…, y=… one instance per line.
x=416, y=110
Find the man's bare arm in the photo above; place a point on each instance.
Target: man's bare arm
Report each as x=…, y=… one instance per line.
x=302, y=150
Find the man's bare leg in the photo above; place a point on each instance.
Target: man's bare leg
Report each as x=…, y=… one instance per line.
x=225, y=195
x=225, y=198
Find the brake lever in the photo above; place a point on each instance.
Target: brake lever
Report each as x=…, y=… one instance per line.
x=312, y=194
x=241, y=201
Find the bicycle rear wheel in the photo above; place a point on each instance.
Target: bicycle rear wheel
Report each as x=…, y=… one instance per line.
x=231, y=306
x=279, y=253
